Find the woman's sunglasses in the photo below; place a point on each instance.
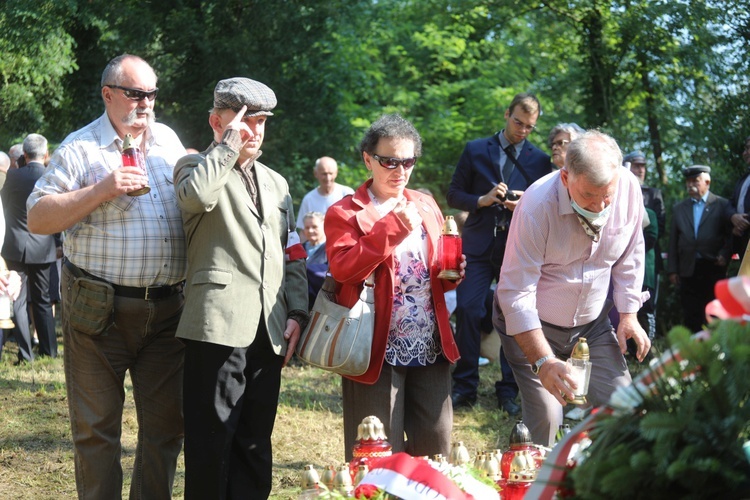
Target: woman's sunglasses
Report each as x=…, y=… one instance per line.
x=393, y=163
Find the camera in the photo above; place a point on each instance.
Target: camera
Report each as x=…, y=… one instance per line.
x=511, y=196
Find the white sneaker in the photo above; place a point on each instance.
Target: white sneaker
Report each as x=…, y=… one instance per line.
x=576, y=414
x=483, y=361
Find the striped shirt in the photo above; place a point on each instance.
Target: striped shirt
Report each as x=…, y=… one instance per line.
x=131, y=241
x=553, y=271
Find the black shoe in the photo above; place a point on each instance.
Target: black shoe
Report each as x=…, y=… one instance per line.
x=462, y=400
x=510, y=407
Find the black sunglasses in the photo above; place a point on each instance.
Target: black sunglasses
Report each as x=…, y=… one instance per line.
x=393, y=163
x=135, y=94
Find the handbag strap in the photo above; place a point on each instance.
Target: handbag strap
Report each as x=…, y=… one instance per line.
x=370, y=281
x=329, y=284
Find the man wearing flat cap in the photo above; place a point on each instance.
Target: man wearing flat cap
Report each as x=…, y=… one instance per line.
x=699, y=245
x=246, y=297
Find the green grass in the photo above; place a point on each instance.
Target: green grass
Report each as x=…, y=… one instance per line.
x=36, y=454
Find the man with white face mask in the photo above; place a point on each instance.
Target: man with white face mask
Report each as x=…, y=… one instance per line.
x=573, y=232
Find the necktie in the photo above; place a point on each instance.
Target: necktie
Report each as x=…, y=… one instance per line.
x=510, y=153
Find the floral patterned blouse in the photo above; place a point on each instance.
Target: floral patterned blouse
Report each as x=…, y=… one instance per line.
x=413, y=336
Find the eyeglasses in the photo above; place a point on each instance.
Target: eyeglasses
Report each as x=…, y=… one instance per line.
x=522, y=125
x=393, y=163
x=135, y=94
x=561, y=143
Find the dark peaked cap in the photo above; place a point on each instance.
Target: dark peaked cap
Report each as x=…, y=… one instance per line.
x=634, y=155
x=695, y=170
x=233, y=93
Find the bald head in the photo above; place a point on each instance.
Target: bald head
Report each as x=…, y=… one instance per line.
x=326, y=171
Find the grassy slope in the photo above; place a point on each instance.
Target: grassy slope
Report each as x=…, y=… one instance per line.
x=36, y=457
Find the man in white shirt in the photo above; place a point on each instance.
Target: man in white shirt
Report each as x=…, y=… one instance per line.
x=326, y=194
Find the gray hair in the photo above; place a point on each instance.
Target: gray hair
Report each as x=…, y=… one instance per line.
x=4, y=162
x=390, y=127
x=15, y=152
x=314, y=215
x=35, y=147
x=595, y=156
x=112, y=74
x=570, y=128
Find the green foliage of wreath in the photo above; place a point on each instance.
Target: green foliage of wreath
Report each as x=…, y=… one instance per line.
x=686, y=438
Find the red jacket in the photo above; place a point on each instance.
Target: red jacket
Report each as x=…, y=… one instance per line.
x=358, y=242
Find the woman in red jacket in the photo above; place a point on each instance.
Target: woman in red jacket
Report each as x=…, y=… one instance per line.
x=394, y=232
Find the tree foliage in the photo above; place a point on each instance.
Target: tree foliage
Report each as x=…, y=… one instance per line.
x=670, y=77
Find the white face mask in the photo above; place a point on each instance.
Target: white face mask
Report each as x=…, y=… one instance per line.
x=592, y=222
x=591, y=216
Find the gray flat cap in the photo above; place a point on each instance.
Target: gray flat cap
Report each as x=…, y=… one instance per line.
x=695, y=170
x=233, y=93
x=635, y=155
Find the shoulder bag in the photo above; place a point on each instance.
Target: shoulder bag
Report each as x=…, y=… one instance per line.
x=337, y=338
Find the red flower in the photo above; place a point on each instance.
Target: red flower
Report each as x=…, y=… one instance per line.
x=365, y=491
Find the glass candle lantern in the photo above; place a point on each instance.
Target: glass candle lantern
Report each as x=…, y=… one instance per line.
x=580, y=369
x=133, y=157
x=449, y=251
x=519, y=441
x=371, y=443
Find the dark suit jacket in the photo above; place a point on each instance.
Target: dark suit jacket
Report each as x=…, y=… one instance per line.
x=713, y=234
x=478, y=170
x=740, y=242
x=21, y=245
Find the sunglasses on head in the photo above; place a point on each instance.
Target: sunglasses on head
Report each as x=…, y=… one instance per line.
x=392, y=163
x=135, y=94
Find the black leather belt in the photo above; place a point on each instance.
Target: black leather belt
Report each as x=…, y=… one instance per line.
x=132, y=292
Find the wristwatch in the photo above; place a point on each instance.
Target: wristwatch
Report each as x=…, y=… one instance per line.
x=535, y=367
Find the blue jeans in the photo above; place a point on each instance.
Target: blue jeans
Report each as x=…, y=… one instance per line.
x=141, y=341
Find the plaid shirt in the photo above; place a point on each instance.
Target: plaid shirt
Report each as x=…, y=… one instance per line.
x=131, y=241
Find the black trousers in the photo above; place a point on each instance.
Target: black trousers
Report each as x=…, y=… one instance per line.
x=230, y=397
x=35, y=280
x=697, y=291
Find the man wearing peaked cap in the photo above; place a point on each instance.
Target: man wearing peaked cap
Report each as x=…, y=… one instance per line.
x=699, y=244
x=694, y=170
x=245, y=297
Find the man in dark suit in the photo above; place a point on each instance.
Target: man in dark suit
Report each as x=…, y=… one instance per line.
x=487, y=183
x=699, y=245
x=741, y=207
x=30, y=255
